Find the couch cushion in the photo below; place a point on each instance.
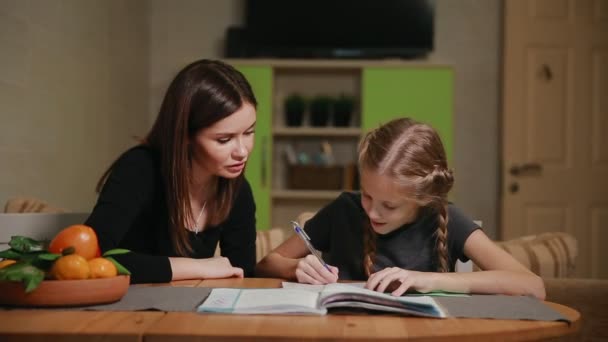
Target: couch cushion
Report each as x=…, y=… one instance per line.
x=305, y=216
x=547, y=254
x=29, y=205
x=267, y=240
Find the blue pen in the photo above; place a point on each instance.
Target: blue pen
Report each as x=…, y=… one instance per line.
x=302, y=234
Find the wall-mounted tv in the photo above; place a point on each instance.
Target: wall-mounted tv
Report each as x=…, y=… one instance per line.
x=334, y=29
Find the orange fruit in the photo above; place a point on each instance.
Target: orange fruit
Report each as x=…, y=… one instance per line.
x=79, y=236
x=71, y=266
x=6, y=262
x=102, y=268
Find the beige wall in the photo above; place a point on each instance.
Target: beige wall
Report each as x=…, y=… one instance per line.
x=82, y=76
x=73, y=90
x=182, y=31
x=468, y=35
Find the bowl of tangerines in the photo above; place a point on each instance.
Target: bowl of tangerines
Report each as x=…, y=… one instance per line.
x=68, y=271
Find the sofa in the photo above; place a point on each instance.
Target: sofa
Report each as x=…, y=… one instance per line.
x=550, y=255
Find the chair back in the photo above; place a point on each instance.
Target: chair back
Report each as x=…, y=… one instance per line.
x=38, y=226
x=30, y=205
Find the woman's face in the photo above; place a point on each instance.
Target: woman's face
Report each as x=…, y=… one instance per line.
x=223, y=148
x=387, y=206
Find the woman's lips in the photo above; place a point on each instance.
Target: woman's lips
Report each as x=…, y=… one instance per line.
x=236, y=167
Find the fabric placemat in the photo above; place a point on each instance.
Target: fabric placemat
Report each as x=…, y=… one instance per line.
x=160, y=298
x=499, y=307
x=139, y=298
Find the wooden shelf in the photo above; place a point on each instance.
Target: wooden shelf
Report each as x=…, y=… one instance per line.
x=305, y=194
x=317, y=131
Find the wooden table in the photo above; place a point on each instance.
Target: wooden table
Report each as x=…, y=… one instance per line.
x=54, y=325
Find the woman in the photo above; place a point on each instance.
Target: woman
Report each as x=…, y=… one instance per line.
x=400, y=233
x=173, y=197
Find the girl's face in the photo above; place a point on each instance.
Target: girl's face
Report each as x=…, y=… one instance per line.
x=387, y=206
x=223, y=148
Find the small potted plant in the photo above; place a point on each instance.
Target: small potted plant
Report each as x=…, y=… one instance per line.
x=343, y=110
x=295, y=106
x=320, y=109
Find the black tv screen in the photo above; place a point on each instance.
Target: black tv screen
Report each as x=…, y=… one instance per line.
x=339, y=28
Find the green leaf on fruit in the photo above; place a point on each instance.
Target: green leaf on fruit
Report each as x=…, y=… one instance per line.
x=24, y=244
x=49, y=256
x=116, y=251
x=29, y=275
x=120, y=268
x=10, y=254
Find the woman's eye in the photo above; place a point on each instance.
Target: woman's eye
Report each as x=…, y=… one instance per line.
x=388, y=207
x=223, y=140
x=249, y=132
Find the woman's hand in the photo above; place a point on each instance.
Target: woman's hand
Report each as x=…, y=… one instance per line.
x=310, y=270
x=219, y=267
x=398, y=280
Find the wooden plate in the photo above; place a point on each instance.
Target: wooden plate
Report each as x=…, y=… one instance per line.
x=65, y=292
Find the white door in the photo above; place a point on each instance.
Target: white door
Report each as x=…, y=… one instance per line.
x=555, y=124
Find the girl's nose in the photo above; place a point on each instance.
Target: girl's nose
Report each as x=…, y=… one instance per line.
x=373, y=213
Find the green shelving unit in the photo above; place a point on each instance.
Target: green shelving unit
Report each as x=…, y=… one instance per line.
x=386, y=90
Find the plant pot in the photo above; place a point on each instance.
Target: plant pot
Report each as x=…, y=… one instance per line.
x=320, y=109
x=319, y=119
x=294, y=118
x=341, y=119
x=343, y=109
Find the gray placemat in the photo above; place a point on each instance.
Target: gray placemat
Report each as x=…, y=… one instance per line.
x=138, y=298
x=499, y=307
x=160, y=298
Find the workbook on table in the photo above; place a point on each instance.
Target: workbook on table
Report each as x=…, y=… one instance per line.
x=302, y=301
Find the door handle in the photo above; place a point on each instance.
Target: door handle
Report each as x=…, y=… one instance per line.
x=545, y=73
x=526, y=168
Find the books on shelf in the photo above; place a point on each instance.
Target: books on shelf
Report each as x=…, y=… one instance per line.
x=306, y=301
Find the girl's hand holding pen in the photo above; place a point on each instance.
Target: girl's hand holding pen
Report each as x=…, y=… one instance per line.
x=311, y=271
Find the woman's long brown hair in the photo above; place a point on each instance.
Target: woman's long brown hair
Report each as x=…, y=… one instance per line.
x=412, y=154
x=201, y=94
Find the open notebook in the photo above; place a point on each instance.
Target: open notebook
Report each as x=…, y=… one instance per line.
x=302, y=301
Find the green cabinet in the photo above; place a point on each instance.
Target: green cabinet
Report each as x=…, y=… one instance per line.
x=259, y=166
x=385, y=90
x=422, y=93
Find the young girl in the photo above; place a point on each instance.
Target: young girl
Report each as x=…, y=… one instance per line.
x=400, y=232
x=173, y=197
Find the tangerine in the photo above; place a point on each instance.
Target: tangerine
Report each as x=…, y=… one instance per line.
x=7, y=262
x=81, y=237
x=102, y=268
x=71, y=266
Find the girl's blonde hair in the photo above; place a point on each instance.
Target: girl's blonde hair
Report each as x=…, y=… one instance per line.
x=412, y=154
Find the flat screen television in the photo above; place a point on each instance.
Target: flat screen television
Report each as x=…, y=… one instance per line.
x=334, y=29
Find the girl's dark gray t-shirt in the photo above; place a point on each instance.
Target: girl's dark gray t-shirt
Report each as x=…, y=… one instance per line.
x=337, y=231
